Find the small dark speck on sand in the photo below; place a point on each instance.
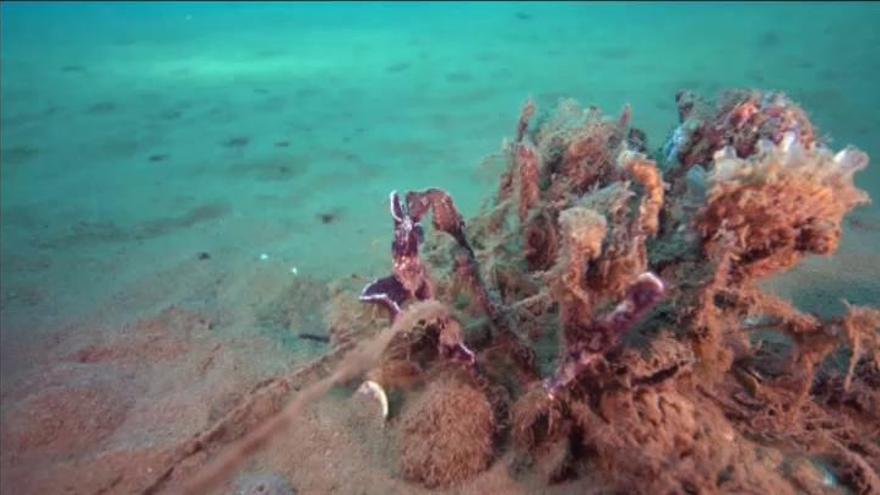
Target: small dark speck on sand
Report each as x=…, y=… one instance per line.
x=306, y=93
x=615, y=52
x=204, y=255
x=73, y=68
x=315, y=337
x=171, y=114
x=523, y=16
x=237, y=142
x=769, y=39
x=328, y=217
x=19, y=154
x=399, y=67
x=282, y=144
x=803, y=63
x=756, y=76
x=159, y=157
x=459, y=76
x=101, y=108
x=827, y=74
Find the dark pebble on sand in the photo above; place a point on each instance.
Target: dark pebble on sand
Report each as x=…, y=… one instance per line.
x=103, y=107
x=769, y=39
x=315, y=337
x=459, y=76
x=204, y=256
x=159, y=157
x=328, y=217
x=171, y=114
x=399, y=67
x=237, y=142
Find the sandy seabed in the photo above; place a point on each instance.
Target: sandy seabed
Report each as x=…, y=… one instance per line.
x=150, y=158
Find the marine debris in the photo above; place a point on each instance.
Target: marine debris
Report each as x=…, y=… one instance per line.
x=641, y=274
x=601, y=323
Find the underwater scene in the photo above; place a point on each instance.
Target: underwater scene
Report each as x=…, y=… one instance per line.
x=480, y=248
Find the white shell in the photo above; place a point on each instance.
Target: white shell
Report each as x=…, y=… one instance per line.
x=376, y=391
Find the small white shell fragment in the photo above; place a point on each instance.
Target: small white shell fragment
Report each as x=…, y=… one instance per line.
x=376, y=391
x=294, y=271
x=788, y=139
x=391, y=201
x=725, y=153
x=264, y=257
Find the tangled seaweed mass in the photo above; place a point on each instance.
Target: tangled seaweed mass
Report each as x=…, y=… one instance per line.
x=600, y=322
x=614, y=324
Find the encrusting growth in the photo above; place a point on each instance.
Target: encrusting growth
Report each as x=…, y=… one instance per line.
x=603, y=311
x=744, y=191
x=780, y=204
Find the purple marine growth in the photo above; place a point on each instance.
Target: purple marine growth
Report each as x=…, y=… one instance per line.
x=409, y=279
x=606, y=332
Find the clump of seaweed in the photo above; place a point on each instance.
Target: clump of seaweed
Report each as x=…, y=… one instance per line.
x=602, y=318
x=645, y=277
x=447, y=435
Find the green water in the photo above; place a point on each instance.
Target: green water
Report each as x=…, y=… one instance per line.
x=136, y=136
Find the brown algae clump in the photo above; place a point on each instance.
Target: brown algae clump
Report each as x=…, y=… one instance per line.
x=447, y=434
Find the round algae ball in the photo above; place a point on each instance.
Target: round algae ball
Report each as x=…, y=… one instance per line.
x=446, y=435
